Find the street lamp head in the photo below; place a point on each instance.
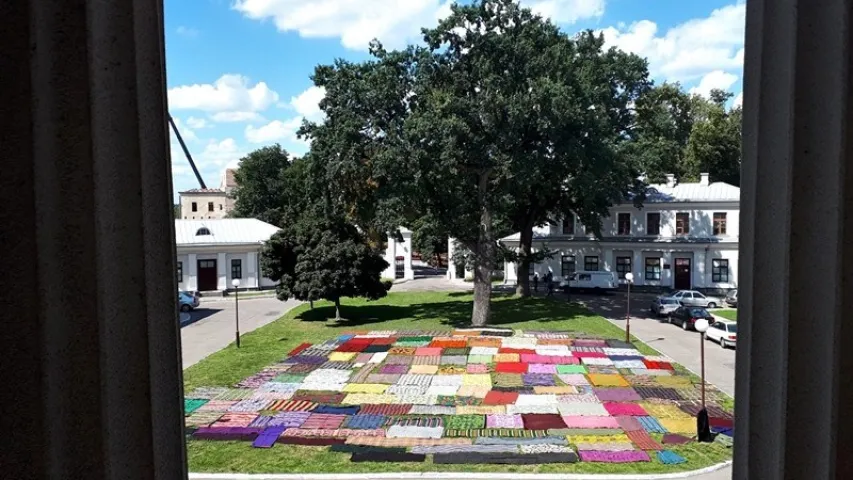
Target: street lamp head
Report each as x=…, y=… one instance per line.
x=235, y=283
x=701, y=325
x=630, y=277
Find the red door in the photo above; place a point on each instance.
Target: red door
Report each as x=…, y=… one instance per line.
x=682, y=274
x=207, y=278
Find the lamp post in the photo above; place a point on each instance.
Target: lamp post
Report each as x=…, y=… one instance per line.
x=629, y=277
x=236, y=283
x=702, y=426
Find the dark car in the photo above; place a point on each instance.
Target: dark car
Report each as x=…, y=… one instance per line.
x=687, y=316
x=731, y=298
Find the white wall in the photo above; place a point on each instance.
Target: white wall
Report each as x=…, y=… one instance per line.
x=701, y=262
x=201, y=200
x=248, y=255
x=184, y=282
x=701, y=221
x=396, y=249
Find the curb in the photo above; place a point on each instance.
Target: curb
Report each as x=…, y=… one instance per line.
x=453, y=475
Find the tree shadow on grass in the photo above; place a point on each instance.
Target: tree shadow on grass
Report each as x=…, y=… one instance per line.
x=505, y=310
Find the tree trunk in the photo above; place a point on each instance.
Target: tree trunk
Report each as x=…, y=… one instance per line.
x=522, y=267
x=311, y=302
x=484, y=261
x=337, y=309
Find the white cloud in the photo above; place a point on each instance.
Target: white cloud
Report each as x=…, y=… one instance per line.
x=567, y=11
x=217, y=154
x=186, y=132
x=187, y=31
x=230, y=93
x=198, y=123
x=690, y=50
x=232, y=117
x=738, y=101
x=275, y=131
x=716, y=79
x=393, y=22
x=307, y=103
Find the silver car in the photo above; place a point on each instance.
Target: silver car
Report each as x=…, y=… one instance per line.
x=663, y=306
x=692, y=298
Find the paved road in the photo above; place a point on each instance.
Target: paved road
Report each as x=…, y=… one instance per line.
x=670, y=340
x=211, y=326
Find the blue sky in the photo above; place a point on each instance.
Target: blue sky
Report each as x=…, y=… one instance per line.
x=238, y=70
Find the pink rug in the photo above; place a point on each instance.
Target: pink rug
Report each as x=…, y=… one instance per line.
x=613, y=457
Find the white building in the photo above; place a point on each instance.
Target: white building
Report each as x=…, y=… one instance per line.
x=399, y=257
x=684, y=237
x=211, y=253
x=209, y=203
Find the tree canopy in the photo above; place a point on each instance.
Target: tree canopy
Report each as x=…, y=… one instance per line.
x=323, y=257
x=261, y=192
x=499, y=121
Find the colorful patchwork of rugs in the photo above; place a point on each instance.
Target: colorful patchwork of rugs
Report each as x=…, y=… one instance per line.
x=466, y=396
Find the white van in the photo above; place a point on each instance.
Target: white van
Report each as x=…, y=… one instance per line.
x=596, y=281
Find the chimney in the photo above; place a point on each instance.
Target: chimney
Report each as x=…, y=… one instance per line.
x=670, y=180
x=704, y=179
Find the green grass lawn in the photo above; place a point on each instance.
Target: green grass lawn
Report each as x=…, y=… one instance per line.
x=729, y=314
x=411, y=311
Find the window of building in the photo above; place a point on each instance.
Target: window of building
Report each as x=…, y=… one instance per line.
x=623, y=266
x=653, y=269
x=202, y=231
x=195, y=207
x=590, y=264
x=236, y=268
x=720, y=270
x=209, y=206
x=719, y=223
x=653, y=224
x=623, y=224
x=567, y=265
x=682, y=223
x=180, y=272
x=569, y=225
x=220, y=206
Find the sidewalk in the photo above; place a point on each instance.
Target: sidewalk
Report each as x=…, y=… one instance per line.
x=216, y=328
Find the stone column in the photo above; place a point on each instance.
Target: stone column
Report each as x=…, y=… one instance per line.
x=223, y=271
x=794, y=364
x=451, y=268
x=192, y=282
x=639, y=268
x=408, y=272
x=253, y=278
x=90, y=347
x=391, y=258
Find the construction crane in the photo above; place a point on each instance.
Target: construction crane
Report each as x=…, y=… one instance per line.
x=186, y=152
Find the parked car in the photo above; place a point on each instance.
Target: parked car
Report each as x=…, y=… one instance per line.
x=725, y=333
x=187, y=301
x=731, y=298
x=692, y=298
x=596, y=281
x=663, y=306
x=687, y=316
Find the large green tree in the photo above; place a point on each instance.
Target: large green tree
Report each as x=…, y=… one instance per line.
x=323, y=257
x=498, y=121
x=584, y=168
x=260, y=191
x=664, y=118
x=428, y=240
x=714, y=145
